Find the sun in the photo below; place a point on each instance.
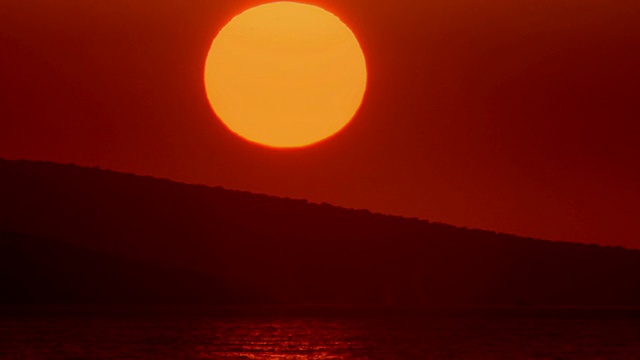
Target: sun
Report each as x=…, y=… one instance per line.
x=285, y=74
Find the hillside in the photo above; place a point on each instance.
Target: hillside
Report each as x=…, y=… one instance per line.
x=290, y=251
x=36, y=271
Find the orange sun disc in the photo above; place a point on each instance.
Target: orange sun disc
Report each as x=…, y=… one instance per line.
x=285, y=74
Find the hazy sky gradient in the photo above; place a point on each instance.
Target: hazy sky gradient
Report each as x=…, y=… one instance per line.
x=519, y=117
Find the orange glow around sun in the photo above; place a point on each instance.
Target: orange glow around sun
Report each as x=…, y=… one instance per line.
x=285, y=74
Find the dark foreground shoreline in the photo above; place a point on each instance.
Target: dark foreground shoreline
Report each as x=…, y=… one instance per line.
x=313, y=310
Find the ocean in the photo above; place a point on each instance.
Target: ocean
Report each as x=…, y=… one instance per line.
x=298, y=333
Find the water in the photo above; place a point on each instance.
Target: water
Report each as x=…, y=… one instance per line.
x=327, y=334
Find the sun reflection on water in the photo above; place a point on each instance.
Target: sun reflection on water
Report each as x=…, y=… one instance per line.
x=283, y=339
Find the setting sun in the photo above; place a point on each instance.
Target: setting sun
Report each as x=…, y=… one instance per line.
x=285, y=74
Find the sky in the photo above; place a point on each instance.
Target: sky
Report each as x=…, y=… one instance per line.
x=518, y=117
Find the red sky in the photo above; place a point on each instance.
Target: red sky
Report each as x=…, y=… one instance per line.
x=514, y=116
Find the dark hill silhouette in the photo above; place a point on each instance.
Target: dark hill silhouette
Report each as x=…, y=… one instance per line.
x=33, y=271
x=290, y=251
